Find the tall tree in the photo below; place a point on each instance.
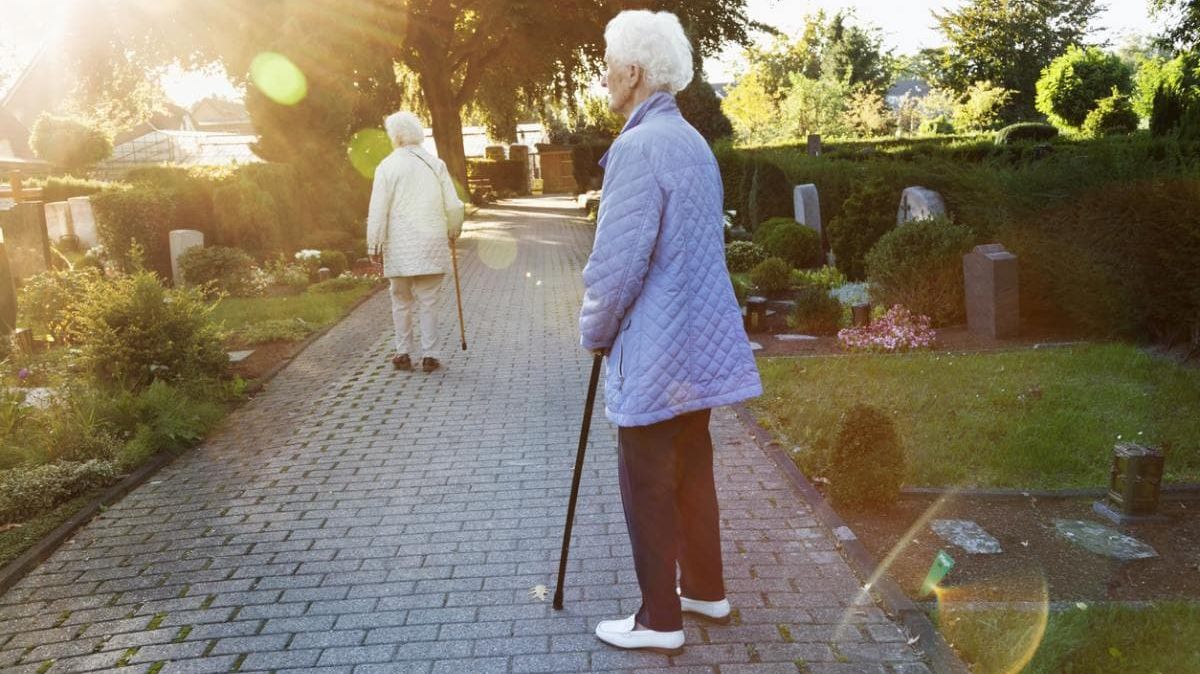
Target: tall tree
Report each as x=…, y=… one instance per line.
x=1009, y=42
x=1183, y=31
x=458, y=51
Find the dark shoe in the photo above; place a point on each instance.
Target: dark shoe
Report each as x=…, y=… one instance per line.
x=402, y=362
x=429, y=364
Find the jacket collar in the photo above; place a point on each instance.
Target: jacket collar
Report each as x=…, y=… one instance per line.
x=659, y=103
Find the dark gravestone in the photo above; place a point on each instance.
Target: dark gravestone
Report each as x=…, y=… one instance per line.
x=25, y=239
x=991, y=285
x=814, y=144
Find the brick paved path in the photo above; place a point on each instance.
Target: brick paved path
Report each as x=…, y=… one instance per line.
x=354, y=519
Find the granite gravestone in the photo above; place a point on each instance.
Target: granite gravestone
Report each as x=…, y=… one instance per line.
x=992, y=291
x=83, y=221
x=182, y=240
x=58, y=221
x=919, y=203
x=24, y=227
x=807, y=208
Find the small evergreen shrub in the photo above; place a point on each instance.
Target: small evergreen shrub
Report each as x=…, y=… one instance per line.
x=764, y=192
x=246, y=217
x=826, y=277
x=765, y=228
x=919, y=265
x=699, y=105
x=867, y=465
x=867, y=214
x=796, y=244
x=771, y=276
x=61, y=188
x=133, y=332
x=25, y=492
x=49, y=300
x=140, y=215
x=1035, y=132
x=1071, y=85
x=816, y=312
x=334, y=261
x=936, y=126
x=1112, y=116
x=219, y=269
x=69, y=143
x=742, y=256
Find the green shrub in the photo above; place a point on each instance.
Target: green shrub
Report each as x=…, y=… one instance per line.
x=699, y=105
x=219, y=269
x=935, y=126
x=919, y=265
x=165, y=418
x=796, y=244
x=69, y=143
x=765, y=193
x=334, y=261
x=296, y=205
x=1072, y=84
x=764, y=229
x=771, y=276
x=246, y=217
x=190, y=191
x=504, y=174
x=1112, y=116
x=133, y=331
x=585, y=163
x=61, y=188
x=50, y=300
x=144, y=216
x=327, y=239
x=339, y=284
x=816, y=313
x=867, y=465
x=287, y=274
x=825, y=277
x=1177, y=88
x=1026, y=132
x=741, y=287
x=25, y=492
x=742, y=256
x=868, y=213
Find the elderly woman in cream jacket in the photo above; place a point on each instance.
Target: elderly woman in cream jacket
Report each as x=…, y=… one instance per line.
x=414, y=213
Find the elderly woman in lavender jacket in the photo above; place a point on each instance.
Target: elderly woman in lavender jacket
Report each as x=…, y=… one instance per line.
x=658, y=301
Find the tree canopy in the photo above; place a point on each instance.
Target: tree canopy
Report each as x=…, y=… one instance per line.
x=1183, y=30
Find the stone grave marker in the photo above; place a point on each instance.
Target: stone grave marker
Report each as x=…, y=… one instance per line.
x=814, y=144
x=25, y=239
x=182, y=240
x=992, y=288
x=58, y=221
x=83, y=221
x=967, y=535
x=807, y=208
x=1102, y=540
x=919, y=203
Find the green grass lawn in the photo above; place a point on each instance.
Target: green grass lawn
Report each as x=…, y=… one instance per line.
x=1096, y=639
x=254, y=320
x=1032, y=418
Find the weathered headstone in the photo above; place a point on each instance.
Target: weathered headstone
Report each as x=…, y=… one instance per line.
x=25, y=239
x=1102, y=540
x=58, y=221
x=182, y=240
x=239, y=356
x=967, y=535
x=83, y=221
x=806, y=206
x=814, y=144
x=324, y=274
x=992, y=287
x=919, y=203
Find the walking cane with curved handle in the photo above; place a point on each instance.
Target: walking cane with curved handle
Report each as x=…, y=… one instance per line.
x=583, y=438
x=462, y=330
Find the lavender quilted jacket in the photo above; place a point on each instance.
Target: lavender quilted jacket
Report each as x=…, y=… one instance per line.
x=657, y=294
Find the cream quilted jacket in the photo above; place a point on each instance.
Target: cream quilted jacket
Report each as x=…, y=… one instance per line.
x=414, y=208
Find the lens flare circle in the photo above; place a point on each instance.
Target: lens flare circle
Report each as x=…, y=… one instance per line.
x=366, y=149
x=278, y=78
x=497, y=251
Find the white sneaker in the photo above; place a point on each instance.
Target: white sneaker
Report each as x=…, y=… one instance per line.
x=719, y=612
x=622, y=634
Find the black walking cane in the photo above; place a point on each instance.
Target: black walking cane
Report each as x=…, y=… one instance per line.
x=583, y=438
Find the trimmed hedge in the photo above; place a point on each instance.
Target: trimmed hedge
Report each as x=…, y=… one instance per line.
x=61, y=188
x=919, y=265
x=25, y=492
x=1026, y=132
x=141, y=215
x=504, y=174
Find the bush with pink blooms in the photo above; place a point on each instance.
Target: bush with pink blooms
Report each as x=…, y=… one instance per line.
x=898, y=330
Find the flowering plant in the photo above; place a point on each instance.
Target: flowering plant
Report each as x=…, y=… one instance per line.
x=308, y=255
x=897, y=330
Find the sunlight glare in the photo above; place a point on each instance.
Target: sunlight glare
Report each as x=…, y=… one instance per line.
x=278, y=78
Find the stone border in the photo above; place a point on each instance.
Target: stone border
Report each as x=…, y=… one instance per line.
x=1178, y=492
x=942, y=658
x=12, y=572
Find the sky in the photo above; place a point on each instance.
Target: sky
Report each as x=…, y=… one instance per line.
x=907, y=26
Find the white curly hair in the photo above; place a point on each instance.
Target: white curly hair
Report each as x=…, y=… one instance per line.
x=653, y=41
x=404, y=128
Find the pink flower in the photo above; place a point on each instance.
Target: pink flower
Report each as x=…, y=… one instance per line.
x=23, y=374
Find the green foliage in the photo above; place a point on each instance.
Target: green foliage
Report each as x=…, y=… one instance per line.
x=61, y=188
x=742, y=256
x=69, y=143
x=981, y=107
x=1177, y=91
x=1184, y=31
x=933, y=126
x=1035, y=132
x=8, y=300
x=1072, y=85
x=218, y=269
x=50, y=300
x=1010, y=43
x=868, y=461
x=1112, y=116
x=334, y=261
x=765, y=228
x=276, y=330
x=189, y=190
x=741, y=287
x=816, y=312
x=339, y=284
x=868, y=213
x=919, y=265
x=796, y=244
x=246, y=217
x=142, y=216
x=27, y=491
x=699, y=105
x=585, y=163
x=163, y=418
x=826, y=278
x=756, y=190
x=133, y=331
x=504, y=174
x=771, y=276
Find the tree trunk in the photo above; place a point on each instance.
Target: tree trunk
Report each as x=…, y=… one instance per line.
x=447, y=121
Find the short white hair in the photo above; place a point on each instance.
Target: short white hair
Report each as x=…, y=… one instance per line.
x=653, y=41
x=404, y=128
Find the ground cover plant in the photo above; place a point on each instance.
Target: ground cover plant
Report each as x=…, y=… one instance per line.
x=254, y=320
x=1031, y=418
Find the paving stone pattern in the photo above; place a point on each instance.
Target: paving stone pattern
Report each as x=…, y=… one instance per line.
x=356, y=519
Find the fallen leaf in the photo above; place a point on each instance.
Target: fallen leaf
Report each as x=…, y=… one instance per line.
x=914, y=640
x=9, y=527
x=539, y=592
